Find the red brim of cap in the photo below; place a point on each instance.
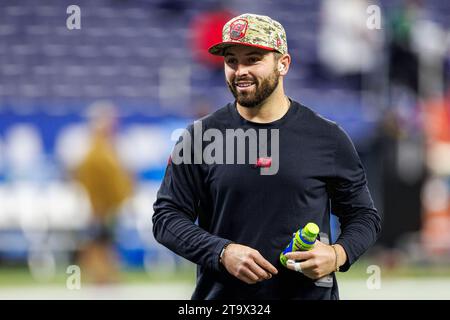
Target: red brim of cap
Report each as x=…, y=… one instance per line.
x=219, y=48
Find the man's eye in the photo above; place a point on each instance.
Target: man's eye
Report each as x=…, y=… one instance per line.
x=253, y=59
x=231, y=61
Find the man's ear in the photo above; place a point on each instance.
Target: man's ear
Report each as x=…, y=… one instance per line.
x=283, y=64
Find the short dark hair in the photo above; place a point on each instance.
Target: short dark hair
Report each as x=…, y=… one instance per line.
x=277, y=55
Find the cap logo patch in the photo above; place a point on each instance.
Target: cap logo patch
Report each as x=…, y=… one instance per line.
x=238, y=29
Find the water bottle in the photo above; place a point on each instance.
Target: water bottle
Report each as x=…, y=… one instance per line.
x=303, y=240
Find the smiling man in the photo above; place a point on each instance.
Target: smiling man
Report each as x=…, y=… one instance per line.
x=246, y=219
x=250, y=90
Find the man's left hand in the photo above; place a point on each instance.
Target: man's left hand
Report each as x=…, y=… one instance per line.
x=319, y=261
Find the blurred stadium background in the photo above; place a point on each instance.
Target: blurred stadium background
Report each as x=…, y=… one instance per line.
x=387, y=87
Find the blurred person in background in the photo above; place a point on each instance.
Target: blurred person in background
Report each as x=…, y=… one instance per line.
x=108, y=185
x=206, y=30
x=401, y=148
x=417, y=50
x=435, y=236
x=245, y=218
x=416, y=46
x=347, y=48
x=403, y=60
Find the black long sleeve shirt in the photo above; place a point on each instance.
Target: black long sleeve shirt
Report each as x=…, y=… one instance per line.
x=319, y=172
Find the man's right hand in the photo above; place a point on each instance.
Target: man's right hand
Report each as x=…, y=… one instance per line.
x=247, y=264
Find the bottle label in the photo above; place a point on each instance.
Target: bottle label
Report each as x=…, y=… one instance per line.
x=290, y=247
x=305, y=240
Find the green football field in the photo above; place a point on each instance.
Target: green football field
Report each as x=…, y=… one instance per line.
x=405, y=282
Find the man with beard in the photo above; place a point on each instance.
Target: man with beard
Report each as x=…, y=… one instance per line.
x=246, y=219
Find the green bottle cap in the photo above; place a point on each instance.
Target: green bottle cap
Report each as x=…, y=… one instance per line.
x=311, y=230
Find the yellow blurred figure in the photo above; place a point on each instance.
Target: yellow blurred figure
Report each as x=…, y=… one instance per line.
x=107, y=184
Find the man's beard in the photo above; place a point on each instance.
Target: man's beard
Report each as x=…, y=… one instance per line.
x=261, y=92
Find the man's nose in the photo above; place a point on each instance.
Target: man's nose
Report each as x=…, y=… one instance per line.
x=241, y=70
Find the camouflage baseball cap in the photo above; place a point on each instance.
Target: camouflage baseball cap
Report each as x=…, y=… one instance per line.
x=254, y=31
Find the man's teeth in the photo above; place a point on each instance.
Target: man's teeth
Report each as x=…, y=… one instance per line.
x=243, y=85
